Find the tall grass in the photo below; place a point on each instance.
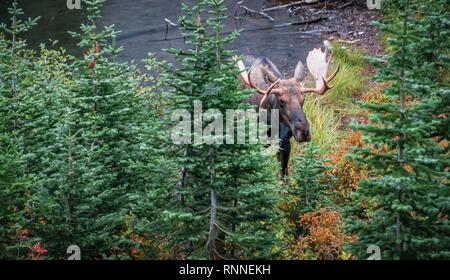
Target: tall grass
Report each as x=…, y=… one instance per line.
x=350, y=81
x=323, y=123
x=325, y=112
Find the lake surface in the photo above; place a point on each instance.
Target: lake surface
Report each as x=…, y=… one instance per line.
x=143, y=28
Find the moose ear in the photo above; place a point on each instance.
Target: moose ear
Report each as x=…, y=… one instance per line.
x=300, y=72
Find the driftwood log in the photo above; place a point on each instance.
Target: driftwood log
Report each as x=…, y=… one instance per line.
x=287, y=6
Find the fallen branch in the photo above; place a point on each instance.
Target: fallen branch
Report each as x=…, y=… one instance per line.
x=286, y=6
x=346, y=4
x=238, y=4
x=251, y=11
x=349, y=42
x=266, y=15
x=301, y=22
x=168, y=23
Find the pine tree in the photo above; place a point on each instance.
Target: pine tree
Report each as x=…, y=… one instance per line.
x=313, y=228
x=90, y=142
x=224, y=203
x=408, y=192
x=310, y=185
x=434, y=24
x=15, y=181
x=109, y=149
x=433, y=27
x=49, y=137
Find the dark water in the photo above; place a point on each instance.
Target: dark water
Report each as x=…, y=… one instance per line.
x=143, y=28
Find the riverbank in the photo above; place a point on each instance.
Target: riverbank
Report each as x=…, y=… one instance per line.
x=349, y=23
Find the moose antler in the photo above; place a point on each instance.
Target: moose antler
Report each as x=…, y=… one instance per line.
x=266, y=92
x=318, y=66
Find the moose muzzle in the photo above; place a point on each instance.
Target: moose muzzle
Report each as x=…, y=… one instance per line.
x=301, y=132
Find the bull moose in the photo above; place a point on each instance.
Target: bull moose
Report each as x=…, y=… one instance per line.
x=287, y=95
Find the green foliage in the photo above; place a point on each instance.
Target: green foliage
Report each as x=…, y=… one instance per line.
x=323, y=121
x=86, y=139
x=15, y=181
x=86, y=156
x=408, y=192
x=310, y=185
x=350, y=81
x=210, y=211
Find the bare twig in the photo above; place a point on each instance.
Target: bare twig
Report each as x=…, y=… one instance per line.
x=251, y=11
x=266, y=15
x=168, y=23
x=238, y=4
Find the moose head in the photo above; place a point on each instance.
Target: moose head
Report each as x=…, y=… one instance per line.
x=288, y=95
